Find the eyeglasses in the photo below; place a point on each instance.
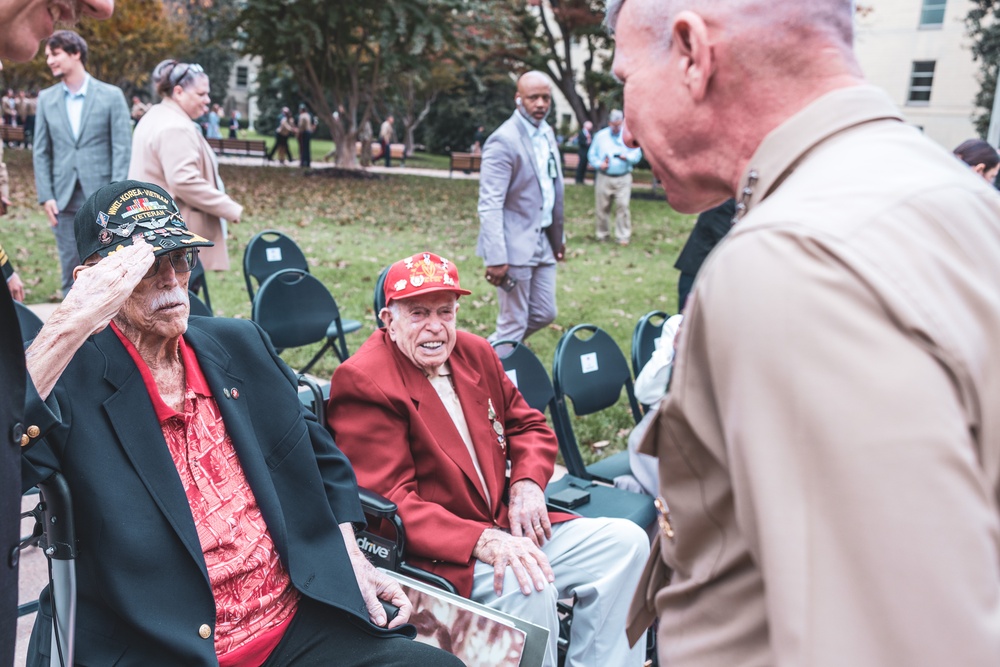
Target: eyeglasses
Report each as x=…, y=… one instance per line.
x=178, y=73
x=182, y=261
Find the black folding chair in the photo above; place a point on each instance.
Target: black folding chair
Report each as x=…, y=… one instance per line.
x=378, y=300
x=29, y=323
x=267, y=253
x=296, y=309
x=647, y=331
x=198, y=307
x=55, y=534
x=199, y=285
x=590, y=370
x=527, y=373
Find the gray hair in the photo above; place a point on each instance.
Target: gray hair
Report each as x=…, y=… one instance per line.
x=616, y=116
x=833, y=18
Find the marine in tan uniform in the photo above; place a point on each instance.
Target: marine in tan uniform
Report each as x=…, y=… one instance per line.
x=830, y=445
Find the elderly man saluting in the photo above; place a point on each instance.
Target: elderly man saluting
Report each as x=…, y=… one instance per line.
x=430, y=420
x=214, y=514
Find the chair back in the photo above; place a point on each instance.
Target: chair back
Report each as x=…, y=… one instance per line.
x=29, y=323
x=294, y=308
x=267, y=253
x=528, y=374
x=198, y=307
x=199, y=285
x=644, y=337
x=591, y=370
x=378, y=302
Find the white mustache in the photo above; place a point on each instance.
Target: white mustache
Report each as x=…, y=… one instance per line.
x=171, y=297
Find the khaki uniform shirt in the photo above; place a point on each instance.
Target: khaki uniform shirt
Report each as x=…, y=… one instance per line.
x=830, y=445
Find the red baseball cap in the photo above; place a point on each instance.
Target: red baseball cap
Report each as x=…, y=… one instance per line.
x=422, y=273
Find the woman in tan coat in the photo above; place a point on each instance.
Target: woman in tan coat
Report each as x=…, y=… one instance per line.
x=168, y=149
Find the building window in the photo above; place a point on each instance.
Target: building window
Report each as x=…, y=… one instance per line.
x=242, y=74
x=921, y=79
x=932, y=13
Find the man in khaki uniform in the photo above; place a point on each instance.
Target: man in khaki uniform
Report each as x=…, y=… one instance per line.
x=830, y=445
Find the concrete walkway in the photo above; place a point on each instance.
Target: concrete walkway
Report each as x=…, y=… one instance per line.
x=380, y=169
x=374, y=169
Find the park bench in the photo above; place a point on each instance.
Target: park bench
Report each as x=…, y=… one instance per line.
x=570, y=162
x=245, y=147
x=467, y=162
x=396, y=151
x=12, y=135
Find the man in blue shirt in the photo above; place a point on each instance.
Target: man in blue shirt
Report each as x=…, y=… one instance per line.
x=613, y=162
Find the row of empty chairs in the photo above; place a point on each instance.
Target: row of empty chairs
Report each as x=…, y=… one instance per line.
x=289, y=303
x=589, y=374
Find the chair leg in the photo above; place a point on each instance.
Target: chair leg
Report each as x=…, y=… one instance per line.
x=340, y=347
x=318, y=355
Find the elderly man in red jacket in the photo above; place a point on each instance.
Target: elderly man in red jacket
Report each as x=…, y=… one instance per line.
x=430, y=420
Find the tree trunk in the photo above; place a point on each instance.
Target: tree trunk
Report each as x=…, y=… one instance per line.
x=365, y=137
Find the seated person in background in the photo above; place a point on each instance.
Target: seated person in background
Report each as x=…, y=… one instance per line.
x=213, y=513
x=981, y=156
x=430, y=420
x=650, y=388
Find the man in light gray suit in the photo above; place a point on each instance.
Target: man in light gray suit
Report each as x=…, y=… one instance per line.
x=83, y=141
x=521, y=213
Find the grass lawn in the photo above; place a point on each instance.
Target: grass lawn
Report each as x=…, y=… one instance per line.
x=350, y=229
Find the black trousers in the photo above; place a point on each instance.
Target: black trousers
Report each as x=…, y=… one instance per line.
x=305, y=151
x=321, y=636
x=581, y=167
x=281, y=147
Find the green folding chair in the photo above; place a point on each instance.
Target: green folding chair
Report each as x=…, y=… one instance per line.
x=590, y=370
x=296, y=309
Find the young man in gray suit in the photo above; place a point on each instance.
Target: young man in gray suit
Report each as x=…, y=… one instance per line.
x=83, y=141
x=521, y=212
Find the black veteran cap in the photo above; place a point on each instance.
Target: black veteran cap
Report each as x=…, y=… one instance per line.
x=119, y=213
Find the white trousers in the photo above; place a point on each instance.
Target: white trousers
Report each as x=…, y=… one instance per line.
x=597, y=562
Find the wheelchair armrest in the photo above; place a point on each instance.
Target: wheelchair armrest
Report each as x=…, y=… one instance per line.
x=376, y=505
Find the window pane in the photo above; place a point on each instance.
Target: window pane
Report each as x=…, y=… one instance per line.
x=921, y=81
x=932, y=12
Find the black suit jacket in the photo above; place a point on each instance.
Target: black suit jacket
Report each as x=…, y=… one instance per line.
x=708, y=230
x=11, y=409
x=143, y=586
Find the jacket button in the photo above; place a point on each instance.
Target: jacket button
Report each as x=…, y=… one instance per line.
x=25, y=440
x=204, y=631
x=16, y=432
x=33, y=431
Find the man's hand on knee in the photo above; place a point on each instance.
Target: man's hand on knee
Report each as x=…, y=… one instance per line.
x=502, y=550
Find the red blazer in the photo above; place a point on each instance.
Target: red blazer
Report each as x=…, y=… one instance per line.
x=389, y=420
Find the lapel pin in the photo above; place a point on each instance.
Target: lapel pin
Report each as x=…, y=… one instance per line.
x=236, y=392
x=225, y=390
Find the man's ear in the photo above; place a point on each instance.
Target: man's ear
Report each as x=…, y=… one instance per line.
x=386, y=316
x=980, y=169
x=690, y=38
